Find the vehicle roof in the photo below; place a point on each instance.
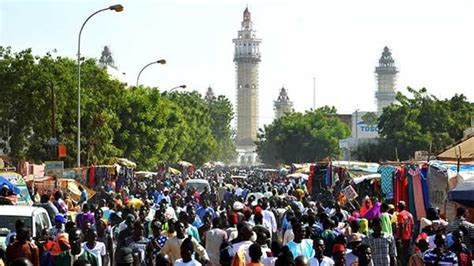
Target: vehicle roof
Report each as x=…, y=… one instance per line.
x=197, y=181
x=239, y=176
x=13, y=210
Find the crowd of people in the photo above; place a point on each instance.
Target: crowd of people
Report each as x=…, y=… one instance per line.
x=261, y=220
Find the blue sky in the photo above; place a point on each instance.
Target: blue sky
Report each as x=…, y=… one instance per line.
x=339, y=42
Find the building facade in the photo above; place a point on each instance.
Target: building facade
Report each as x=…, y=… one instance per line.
x=246, y=59
x=386, y=74
x=283, y=104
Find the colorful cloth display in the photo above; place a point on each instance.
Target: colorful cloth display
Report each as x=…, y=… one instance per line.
x=386, y=180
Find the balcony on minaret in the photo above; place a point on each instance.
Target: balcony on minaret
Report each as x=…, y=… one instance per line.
x=247, y=52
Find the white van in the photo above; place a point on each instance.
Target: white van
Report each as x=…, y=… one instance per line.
x=35, y=218
x=198, y=184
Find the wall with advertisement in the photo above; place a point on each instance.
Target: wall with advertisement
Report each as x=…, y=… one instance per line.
x=364, y=125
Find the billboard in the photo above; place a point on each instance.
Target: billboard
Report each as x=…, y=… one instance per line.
x=364, y=125
x=53, y=168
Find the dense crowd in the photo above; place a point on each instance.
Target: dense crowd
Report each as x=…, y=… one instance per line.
x=260, y=220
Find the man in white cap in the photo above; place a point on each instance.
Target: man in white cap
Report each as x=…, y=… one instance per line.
x=164, y=196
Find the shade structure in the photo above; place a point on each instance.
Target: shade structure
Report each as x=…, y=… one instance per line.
x=464, y=151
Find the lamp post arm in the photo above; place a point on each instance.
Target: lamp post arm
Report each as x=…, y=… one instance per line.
x=80, y=32
x=139, y=73
x=177, y=87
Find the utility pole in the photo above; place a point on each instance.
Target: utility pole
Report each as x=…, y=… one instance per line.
x=53, y=111
x=314, y=93
x=53, y=141
x=356, y=127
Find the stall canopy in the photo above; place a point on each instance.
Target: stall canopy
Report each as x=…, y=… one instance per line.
x=463, y=150
x=361, y=178
x=145, y=174
x=298, y=175
x=72, y=187
x=357, y=166
x=301, y=168
x=185, y=164
x=126, y=163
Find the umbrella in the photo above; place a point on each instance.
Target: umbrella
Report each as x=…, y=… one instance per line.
x=10, y=185
x=174, y=171
x=136, y=203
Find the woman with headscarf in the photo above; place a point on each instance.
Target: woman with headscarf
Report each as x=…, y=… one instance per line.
x=366, y=205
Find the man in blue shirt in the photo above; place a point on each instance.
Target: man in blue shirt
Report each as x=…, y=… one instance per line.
x=201, y=211
x=83, y=198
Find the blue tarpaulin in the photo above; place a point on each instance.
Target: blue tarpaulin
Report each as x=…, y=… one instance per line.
x=463, y=193
x=10, y=185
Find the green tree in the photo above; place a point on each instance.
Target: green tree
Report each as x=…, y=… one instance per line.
x=138, y=123
x=302, y=137
x=100, y=96
x=26, y=81
x=415, y=122
x=199, y=140
x=152, y=128
x=221, y=113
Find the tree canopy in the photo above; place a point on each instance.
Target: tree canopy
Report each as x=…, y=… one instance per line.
x=421, y=119
x=142, y=124
x=302, y=137
x=221, y=112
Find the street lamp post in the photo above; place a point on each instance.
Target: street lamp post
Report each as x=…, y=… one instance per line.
x=116, y=8
x=178, y=87
x=161, y=61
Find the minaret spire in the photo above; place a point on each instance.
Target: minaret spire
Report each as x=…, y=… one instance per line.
x=247, y=20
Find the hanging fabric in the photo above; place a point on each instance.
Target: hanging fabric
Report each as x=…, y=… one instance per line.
x=386, y=180
x=424, y=185
x=411, y=196
x=91, y=179
x=327, y=177
x=401, y=185
x=418, y=193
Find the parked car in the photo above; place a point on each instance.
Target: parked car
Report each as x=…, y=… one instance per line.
x=35, y=218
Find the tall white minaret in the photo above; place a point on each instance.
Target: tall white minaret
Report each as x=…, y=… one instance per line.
x=386, y=73
x=247, y=59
